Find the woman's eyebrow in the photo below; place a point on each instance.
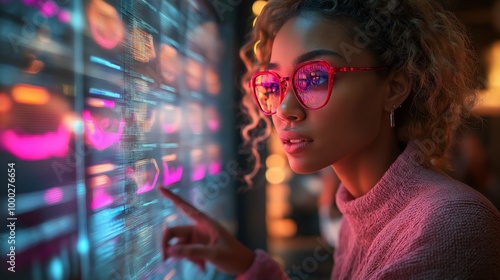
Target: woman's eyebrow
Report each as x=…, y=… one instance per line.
x=315, y=54
x=272, y=66
x=306, y=57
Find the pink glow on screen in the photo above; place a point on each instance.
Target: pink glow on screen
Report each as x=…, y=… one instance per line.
x=100, y=199
x=169, y=128
x=146, y=185
x=37, y=147
x=214, y=167
x=198, y=173
x=49, y=9
x=213, y=122
x=213, y=125
x=143, y=175
x=64, y=16
x=96, y=136
x=172, y=175
x=53, y=195
x=105, y=24
x=30, y=2
x=99, y=103
x=170, y=119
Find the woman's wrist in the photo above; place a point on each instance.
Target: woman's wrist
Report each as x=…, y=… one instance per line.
x=248, y=257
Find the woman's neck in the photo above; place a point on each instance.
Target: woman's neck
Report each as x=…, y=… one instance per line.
x=360, y=172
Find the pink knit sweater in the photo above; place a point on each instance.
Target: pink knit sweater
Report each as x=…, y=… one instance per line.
x=413, y=224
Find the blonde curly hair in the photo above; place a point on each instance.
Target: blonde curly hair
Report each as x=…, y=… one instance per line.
x=417, y=37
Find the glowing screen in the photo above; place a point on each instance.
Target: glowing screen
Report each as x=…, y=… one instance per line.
x=101, y=103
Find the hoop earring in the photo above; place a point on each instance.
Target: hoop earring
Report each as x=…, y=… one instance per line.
x=391, y=118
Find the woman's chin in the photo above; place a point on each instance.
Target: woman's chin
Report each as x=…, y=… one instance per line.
x=302, y=166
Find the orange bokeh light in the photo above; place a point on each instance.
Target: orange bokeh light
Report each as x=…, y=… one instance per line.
x=30, y=94
x=100, y=168
x=5, y=103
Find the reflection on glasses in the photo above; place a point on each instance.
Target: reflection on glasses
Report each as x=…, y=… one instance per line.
x=312, y=84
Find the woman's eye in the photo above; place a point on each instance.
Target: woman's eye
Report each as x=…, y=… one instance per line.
x=272, y=88
x=311, y=80
x=268, y=87
x=315, y=80
x=318, y=78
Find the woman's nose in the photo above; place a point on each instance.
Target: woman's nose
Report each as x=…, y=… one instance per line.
x=290, y=109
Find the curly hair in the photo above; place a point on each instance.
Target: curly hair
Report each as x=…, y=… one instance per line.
x=417, y=37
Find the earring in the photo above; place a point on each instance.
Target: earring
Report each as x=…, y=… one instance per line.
x=391, y=117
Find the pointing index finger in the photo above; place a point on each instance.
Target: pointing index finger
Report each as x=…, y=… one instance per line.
x=187, y=208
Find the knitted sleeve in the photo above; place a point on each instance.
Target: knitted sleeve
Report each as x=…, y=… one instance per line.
x=263, y=267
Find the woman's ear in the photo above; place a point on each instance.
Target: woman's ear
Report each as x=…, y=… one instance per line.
x=399, y=89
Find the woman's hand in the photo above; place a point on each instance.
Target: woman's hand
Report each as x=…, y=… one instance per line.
x=206, y=240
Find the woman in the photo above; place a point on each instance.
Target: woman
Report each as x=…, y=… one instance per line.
x=376, y=90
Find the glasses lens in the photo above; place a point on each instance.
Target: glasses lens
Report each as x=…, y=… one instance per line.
x=311, y=84
x=267, y=91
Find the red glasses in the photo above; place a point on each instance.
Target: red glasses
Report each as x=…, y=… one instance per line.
x=312, y=84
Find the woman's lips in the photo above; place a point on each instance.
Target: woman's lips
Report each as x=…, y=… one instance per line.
x=294, y=142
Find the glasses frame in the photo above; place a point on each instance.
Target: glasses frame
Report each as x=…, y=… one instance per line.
x=284, y=81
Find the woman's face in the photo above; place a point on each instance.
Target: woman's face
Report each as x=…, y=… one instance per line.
x=351, y=120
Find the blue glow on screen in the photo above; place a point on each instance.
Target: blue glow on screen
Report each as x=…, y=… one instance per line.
x=56, y=269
